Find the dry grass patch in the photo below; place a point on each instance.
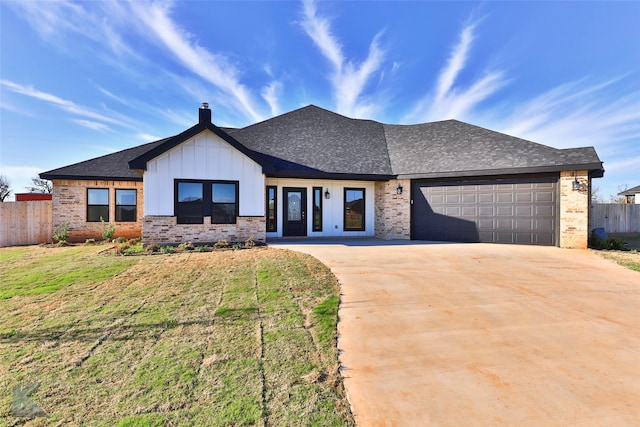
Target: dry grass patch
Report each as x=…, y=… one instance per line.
x=629, y=259
x=219, y=338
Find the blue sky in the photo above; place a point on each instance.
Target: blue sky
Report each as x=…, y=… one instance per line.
x=84, y=79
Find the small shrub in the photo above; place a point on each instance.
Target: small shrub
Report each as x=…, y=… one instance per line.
x=188, y=246
x=167, y=249
x=249, y=243
x=108, y=229
x=90, y=242
x=221, y=244
x=201, y=249
x=134, y=249
x=153, y=248
x=238, y=246
x=121, y=248
x=61, y=232
x=610, y=243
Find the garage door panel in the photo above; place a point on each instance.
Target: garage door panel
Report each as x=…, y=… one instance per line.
x=485, y=198
x=468, y=211
x=544, y=210
x=543, y=224
x=524, y=210
x=452, y=211
x=452, y=199
x=486, y=211
x=524, y=197
x=544, y=196
x=470, y=198
x=520, y=210
x=506, y=224
x=486, y=224
x=504, y=210
x=504, y=237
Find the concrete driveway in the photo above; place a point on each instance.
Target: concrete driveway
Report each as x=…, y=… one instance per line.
x=479, y=334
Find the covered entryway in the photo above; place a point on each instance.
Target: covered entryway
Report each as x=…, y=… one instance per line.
x=521, y=210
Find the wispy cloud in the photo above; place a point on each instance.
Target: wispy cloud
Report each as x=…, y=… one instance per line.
x=348, y=80
x=102, y=24
x=578, y=114
x=449, y=100
x=109, y=25
x=148, y=137
x=212, y=67
x=101, y=127
x=271, y=93
x=64, y=104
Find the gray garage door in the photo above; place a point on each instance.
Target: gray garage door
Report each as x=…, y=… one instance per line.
x=517, y=210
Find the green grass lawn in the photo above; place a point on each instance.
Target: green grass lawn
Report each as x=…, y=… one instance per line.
x=243, y=337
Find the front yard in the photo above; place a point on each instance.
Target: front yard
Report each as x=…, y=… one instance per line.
x=243, y=337
x=629, y=258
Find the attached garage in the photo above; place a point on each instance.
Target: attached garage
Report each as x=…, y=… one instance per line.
x=520, y=210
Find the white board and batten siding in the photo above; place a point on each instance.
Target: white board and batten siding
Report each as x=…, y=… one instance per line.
x=332, y=208
x=205, y=157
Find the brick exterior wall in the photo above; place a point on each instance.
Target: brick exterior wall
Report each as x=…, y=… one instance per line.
x=166, y=230
x=70, y=205
x=574, y=210
x=392, y=210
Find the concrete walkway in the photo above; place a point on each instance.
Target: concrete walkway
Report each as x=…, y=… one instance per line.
x=484, y=335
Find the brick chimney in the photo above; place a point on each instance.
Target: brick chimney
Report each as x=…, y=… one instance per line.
x=204, y=113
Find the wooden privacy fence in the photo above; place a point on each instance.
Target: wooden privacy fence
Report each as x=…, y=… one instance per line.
x=26, y=223
x=616, y=218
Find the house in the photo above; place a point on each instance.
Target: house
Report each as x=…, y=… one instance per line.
x=631, y=195
x=312, y=172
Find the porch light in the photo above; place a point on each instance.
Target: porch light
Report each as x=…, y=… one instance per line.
x=327, y=195
x=399, y=189
x=575, y=185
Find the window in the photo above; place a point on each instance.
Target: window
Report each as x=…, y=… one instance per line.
x=272, y=208
x=197, y=199
x=354, y=209
x=126, y=205
x=189, y=202
x=97, y=204
x=224, y=206
x=317, y=208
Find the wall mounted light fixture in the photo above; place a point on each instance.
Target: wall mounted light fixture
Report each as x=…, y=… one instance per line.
x=575, y=185
x=399, y=189
x=327, y=195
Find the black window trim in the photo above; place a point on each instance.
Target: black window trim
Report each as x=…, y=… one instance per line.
x=135, y=207
x=317, y=199
x=107, y=205
x=209, y=185
x=275, y=208
x=364, y=209
x=207, y=200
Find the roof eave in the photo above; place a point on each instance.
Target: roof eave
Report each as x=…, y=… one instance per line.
x=595, y=171
x=51, y=176
x=329, y=175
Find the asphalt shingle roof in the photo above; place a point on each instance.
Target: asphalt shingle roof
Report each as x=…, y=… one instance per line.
x=321, y=140
x=630, y=192
x=314, y=142
x=111, y=166
x=454, y=148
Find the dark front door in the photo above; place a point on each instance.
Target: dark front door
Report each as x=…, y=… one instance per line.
x=295, y=211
